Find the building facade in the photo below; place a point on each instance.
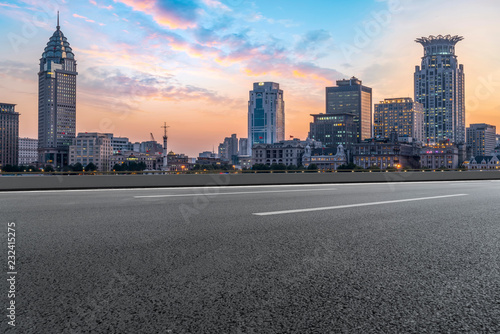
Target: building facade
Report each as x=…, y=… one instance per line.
x=350, y=96
x=441, y=155
x=28, y=151
x=152, y=161
x=384, y=153
x=9, y=135
x=266, y=114
x=491, y=162
x=481, y=138
x=333, y=130
x=324, y=161
x=91, y=148
x=287, y=152
x=56, y=100
x=119, y=144
x=401, y=115
x=440, y=87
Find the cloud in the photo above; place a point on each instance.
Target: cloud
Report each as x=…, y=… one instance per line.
x=135, y=86
x=313, y=39
x=83, y=17
x=174, y=14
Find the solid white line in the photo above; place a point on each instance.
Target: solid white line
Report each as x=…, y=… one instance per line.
x=352, y=205
x=235, y=193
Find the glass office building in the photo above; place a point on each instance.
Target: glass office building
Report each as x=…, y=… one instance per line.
x=266, y=114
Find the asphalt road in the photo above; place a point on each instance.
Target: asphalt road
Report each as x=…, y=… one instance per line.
x=341, y=258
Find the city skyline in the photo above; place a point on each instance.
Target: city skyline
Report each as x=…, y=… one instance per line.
x=194, y=62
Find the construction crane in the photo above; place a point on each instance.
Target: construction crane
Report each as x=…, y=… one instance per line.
x=152, y=137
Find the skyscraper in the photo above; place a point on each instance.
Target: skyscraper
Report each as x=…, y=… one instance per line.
x=9, y=134
x=481, y=138
x=350, y=96
x=401, y=115
x=266, y=114
x=439, y=86
x=56, y=100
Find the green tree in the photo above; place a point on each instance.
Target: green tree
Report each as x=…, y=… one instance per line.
x=312, y=167
x=48, y=168
x=77, y=167
x=90, y=167
x=349, y=166
x=278, y=167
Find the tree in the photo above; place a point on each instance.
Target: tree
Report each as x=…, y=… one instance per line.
x=312, y=167
x=261, y=167
x=278, y=167
x=91, y=167
x=77, y=167
x=10, y=168
x=48, y=168
x=292, y=167
x=349, y=166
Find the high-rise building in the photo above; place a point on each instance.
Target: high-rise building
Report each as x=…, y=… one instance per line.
x=56, y=100
x=228, y=150
x=9, y=134
x=481, y=138
x=400, y=115
x=91, y=148
x=266, y=114
x=243, y=147
x=28, y=151
x=350, y=96
x=440, y=87
x=333, y=130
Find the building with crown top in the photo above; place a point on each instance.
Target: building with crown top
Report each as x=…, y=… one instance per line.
x=56, y=100
x=440, y=87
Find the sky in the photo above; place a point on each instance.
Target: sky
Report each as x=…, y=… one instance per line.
x=191, y=63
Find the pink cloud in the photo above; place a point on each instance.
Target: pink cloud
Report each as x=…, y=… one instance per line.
x=169, y=13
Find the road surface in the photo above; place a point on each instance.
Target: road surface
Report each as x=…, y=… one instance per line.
x=354, y=258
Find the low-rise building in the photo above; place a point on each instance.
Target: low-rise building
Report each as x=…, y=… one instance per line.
x=287, y=152
x=483, y=162
x=244, y=161
x=441, y=155
x=152, y=161
x=178, y=162
x=324, y=160
x=384, y=153
x=91, y=148
x=28, y=151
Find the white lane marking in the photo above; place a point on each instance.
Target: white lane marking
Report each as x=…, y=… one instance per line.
x=352, y=205
x=236, y=187
x=233, y=193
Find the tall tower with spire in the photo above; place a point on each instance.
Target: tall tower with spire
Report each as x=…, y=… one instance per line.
x=56, y=100
x=440, y=87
